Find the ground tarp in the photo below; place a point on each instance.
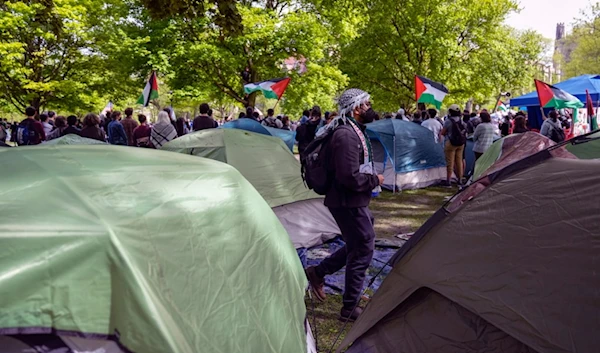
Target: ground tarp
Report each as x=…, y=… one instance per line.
x=158, y=251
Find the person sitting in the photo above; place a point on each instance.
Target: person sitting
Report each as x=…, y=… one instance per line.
x=60, y=124
x=72, y=126
x=141, y=134
x=91, y=128
x=116, y=132
x=163, y=131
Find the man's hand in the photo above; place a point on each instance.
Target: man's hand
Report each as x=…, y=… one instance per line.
x=381, y=179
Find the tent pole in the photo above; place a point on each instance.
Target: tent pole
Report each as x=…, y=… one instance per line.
x=394, y=163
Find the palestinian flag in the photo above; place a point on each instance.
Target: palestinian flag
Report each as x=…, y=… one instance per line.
x=271, y=88
x=150, y=91
x=501, y=106
x=590, y=111
x=428, y=91
x=553, y=97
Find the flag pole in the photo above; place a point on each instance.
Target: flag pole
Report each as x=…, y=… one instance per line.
x=497, y=101
x=275, y=106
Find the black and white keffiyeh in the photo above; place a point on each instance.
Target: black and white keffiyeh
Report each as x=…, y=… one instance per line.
x=351, y=99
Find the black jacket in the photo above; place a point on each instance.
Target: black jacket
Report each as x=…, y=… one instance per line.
x=305, y=134
x=351, y=189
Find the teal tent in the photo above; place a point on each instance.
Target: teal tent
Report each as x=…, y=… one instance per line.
x=118, y=249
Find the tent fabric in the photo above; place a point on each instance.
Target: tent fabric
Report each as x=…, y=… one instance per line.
x=407, y=148
x=511, y=149
x=417, y=327
x=309, y=223
x=288, y=137
x=575, y=86
x=275, y=173
x=72, y=139
x=160, y=252
x=503, y=269
x=587, y=150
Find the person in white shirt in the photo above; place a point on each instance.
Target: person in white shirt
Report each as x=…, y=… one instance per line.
x=433, y=125
x=402, y=115
x=47, y=127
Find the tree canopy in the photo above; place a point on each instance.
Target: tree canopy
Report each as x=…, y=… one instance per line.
x=78, y=54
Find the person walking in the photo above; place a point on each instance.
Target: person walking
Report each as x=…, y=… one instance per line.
x=455, y=132
x=129, y=124
x=204, y=121
x=483, y=137
x=116, y=132
x=163, y=131
x=91, y=128
x=353, y=180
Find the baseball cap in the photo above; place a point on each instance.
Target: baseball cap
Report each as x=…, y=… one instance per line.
x=454, y=107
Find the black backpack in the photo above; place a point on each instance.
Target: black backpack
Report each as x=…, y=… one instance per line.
x=557, y=135
x=315, y=164
x=458, y=135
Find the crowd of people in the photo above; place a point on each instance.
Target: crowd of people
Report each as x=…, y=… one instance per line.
x=452, y=131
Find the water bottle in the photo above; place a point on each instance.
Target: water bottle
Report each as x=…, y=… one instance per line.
x=376, y=191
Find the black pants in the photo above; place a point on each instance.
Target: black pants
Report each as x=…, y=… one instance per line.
x=356, y=225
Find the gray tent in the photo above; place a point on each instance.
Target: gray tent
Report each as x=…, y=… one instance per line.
x=508, y=265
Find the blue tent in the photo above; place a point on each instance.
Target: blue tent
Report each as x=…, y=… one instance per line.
x=407, y=154
x=289, y=137
x=575, y=86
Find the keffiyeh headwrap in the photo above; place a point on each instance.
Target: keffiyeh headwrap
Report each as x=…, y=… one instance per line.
x=351, y=99
x=347, y=102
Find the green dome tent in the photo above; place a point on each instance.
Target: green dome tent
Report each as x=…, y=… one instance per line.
x=271, y=168
x=72, y=139
x=117, y=249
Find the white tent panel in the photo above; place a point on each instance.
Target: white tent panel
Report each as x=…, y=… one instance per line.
x=411, y=180
x=309, y=223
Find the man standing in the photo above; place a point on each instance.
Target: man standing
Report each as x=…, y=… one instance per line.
x=456, y=137
x=116, y=133
x=44, y=121
x=129, y=124
x=271, y=121
x=432, y=124
x=72, y=126
x=305, y=133
x=141, y=134
x=30, y=131
x=203, y=121
x=353, y=178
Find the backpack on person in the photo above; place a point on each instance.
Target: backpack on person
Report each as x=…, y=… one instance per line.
x=458, y=133
x=557, y=134
x=25, y=134
x=315, y=170
x=271, y=123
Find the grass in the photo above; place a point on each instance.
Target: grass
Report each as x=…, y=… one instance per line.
x=394, y=214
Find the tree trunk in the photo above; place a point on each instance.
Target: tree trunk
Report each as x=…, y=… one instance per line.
x=421, y=106
x=35, y=102
x=252, y=99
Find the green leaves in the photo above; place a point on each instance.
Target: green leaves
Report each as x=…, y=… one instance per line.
x=580, y=51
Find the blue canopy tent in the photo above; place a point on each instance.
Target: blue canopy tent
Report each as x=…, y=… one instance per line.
x=575, y=86
x=406, y=154
x=289, y=137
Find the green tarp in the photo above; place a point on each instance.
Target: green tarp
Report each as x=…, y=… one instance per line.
x=588, y=150
x=163, y=251
x=72, y=139
x=264, y=160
